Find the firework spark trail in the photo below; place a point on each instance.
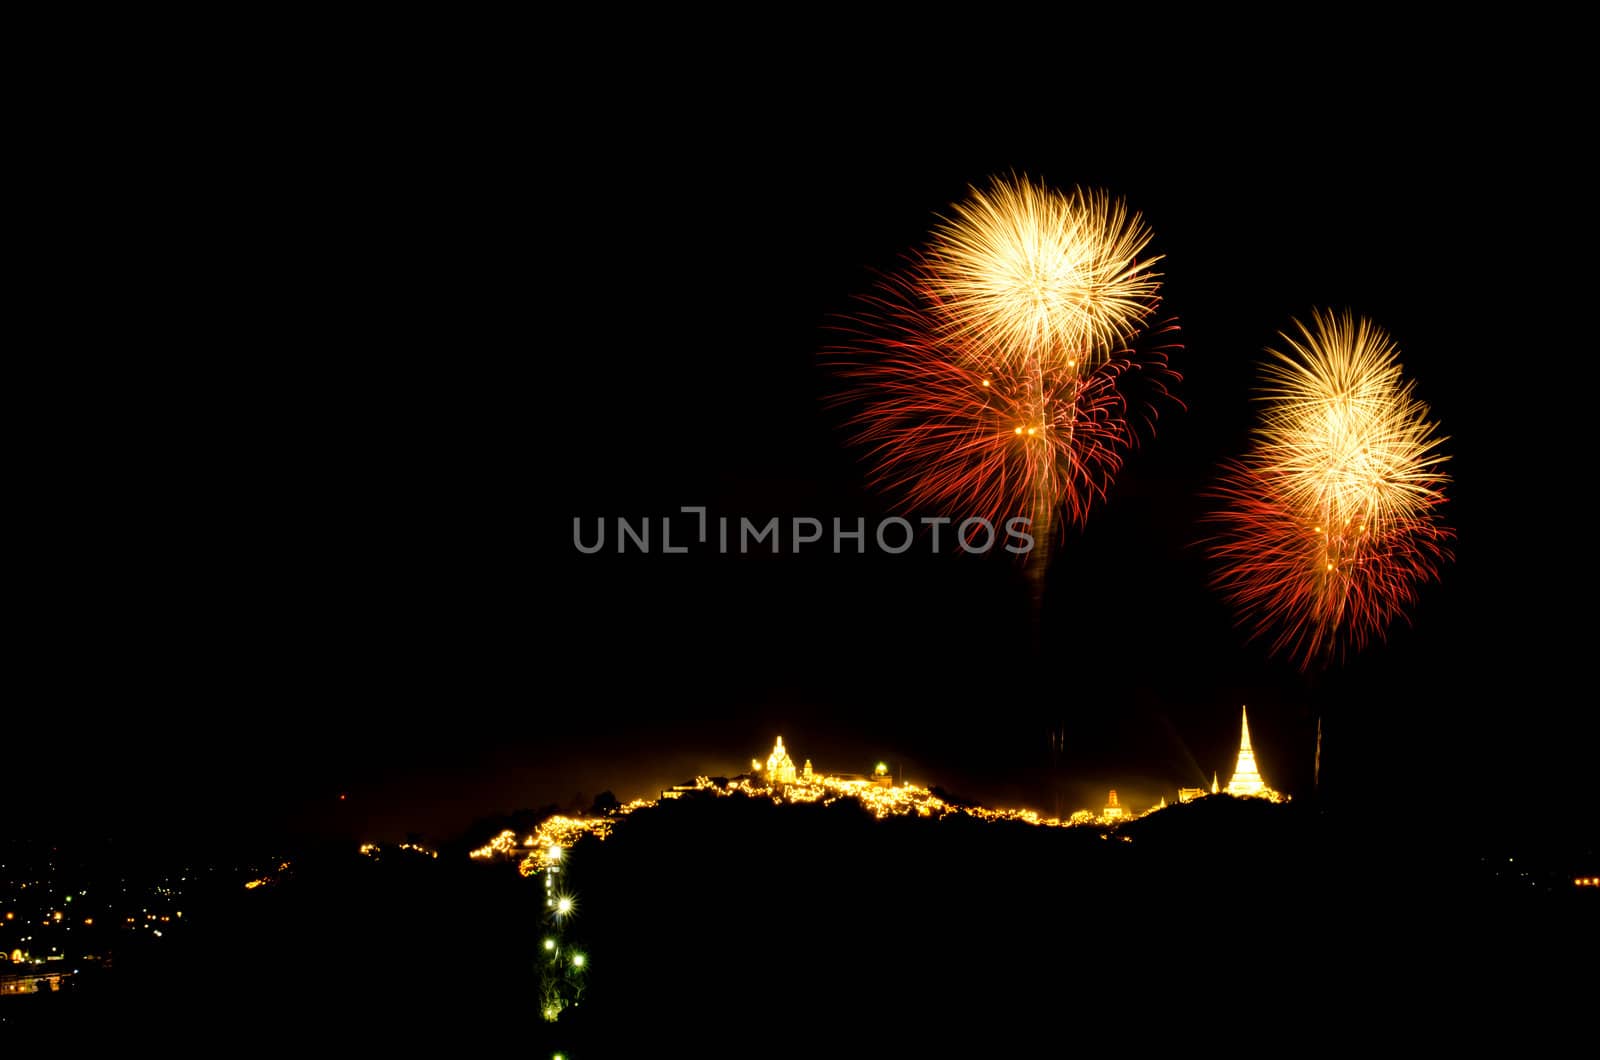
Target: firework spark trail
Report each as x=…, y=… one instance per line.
x=1331, y=523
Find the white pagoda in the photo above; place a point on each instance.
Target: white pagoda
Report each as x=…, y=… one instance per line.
x=1246, y=779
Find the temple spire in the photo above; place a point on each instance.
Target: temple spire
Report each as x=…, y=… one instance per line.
x=1246, y=778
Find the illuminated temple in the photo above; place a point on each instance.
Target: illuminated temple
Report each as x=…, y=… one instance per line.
x=1246, y=779
x=780, y=767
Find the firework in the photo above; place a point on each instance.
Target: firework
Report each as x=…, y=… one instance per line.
x=1331, y=523
x=1026, y=273
x=950, y=423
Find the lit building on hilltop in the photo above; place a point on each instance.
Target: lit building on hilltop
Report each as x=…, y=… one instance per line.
x=780, y=767
x=1112, y=812
x=1246, y=779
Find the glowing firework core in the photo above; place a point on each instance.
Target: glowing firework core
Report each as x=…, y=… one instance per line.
x=1041, y=275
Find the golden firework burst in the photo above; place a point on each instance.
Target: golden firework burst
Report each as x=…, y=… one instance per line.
x=1041, y=276
x=1355, y=447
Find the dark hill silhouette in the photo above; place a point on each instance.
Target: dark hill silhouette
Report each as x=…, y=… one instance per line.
x=706, y=919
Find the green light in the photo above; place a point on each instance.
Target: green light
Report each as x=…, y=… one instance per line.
x=577, y=961
x=549, y=944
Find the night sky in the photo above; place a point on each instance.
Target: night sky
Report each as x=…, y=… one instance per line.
x=309, y=462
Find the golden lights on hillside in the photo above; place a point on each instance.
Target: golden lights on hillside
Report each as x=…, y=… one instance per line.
x=776, y=778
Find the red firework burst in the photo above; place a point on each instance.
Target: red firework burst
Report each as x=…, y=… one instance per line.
x=956, y=423
x=1315, y=592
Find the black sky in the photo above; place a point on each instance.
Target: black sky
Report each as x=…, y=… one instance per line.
x=309, y=459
